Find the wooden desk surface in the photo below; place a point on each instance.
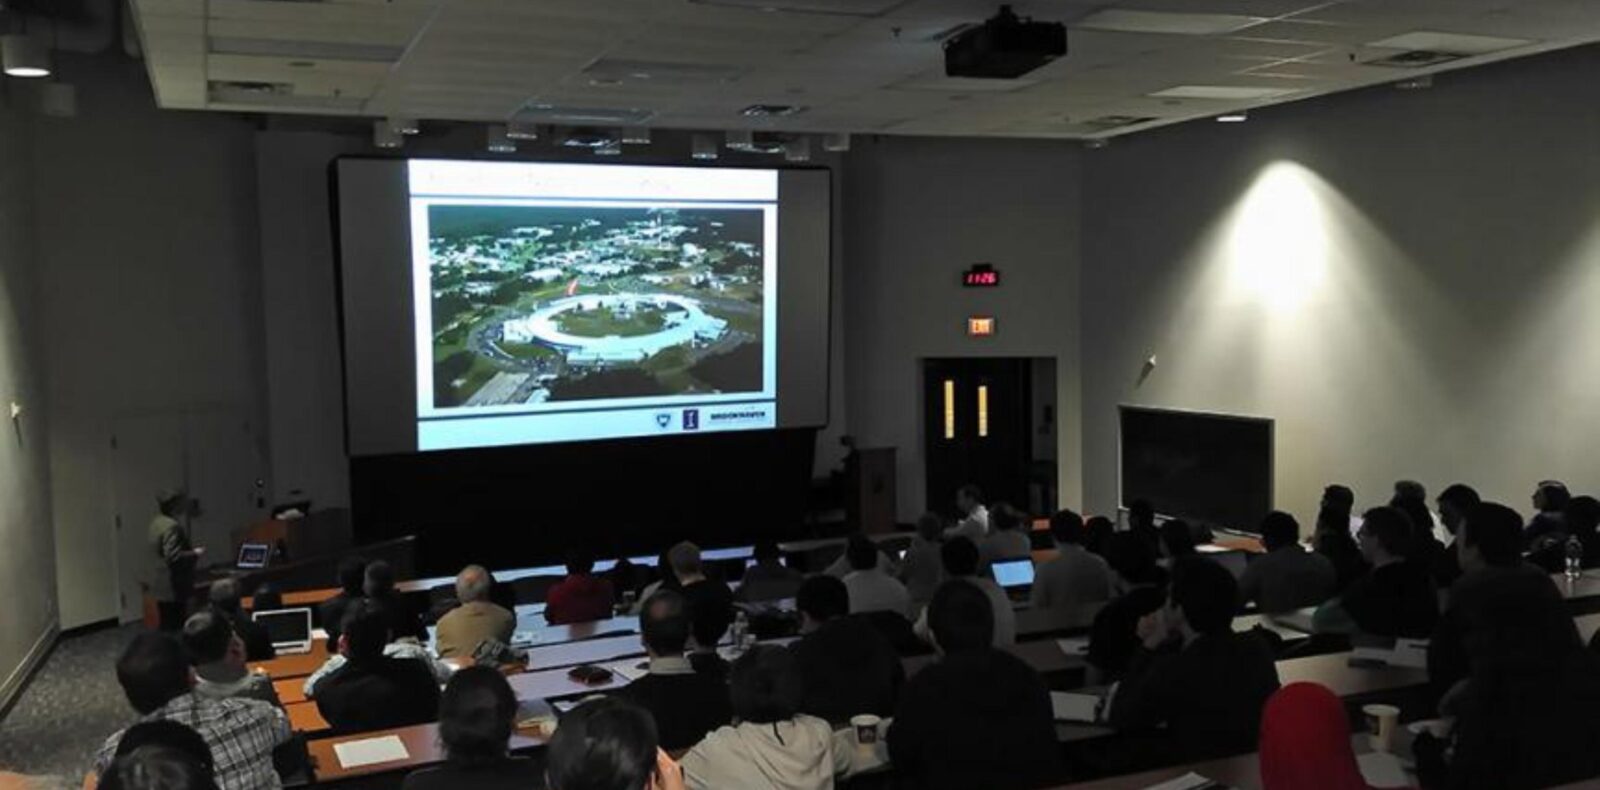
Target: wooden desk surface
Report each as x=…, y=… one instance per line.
x=592, y=651
x=422, y=748
x=1334, y=671
x=1036, y=623
x=1242, y=772
x=290, y=690
x=305, y=719
x=298, y=665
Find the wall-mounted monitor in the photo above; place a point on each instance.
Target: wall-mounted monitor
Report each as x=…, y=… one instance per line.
x=1212, y=469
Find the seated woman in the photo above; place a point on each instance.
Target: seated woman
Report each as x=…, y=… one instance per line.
x=771, y=745
x=1305, y=741
x=476, y=714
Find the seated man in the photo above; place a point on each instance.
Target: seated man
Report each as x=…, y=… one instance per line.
x=1193, y=674
x=218, y=656
x=848, y=666
x=607, y=743
x=1287, y=577
x=979, y=717
x=242, y=733
x=372, y=691
x=768, y=579
x=707, y=598
x=225, y=600
x=706, y=630
x=465, y=627
x=872, y=589
x=686, y=704
x=402, y=618
x=1075, y=576
x=1489, y=545
x=581, y=597
x=1396, y=598
x=477, y=713
x=1008, y=536
x=974, y=521
x=352, y=579
x=961, y=565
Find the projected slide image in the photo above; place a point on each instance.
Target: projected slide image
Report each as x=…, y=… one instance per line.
x=554, y=303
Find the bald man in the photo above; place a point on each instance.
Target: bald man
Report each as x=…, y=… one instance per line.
x=476, y=619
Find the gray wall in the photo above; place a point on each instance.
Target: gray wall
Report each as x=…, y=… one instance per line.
x=27, y=581
x=1405, y=281
x=916, y=213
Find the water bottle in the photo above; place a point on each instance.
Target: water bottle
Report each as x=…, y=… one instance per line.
x=1574, y=557
x=737, y=631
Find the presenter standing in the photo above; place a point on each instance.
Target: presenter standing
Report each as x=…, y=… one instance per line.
x=171, y=581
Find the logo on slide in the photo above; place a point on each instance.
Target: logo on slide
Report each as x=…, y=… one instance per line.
x=691, y=419
x=663, y=420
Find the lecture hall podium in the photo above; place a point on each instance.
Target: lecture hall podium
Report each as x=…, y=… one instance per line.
x=870, y=475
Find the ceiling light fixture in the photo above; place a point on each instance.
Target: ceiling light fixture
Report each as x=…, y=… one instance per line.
x=836, y=142
x=402, y=124
x=613, y=148
x=635, y=135
x=1234, y=117
x=25, y=56
x=1096, y=143
x=384, y=135
x=703, y=147
x=797, y=149
x=497, y=141
x=741, y=138
x=522, y=130
x=1419, y=83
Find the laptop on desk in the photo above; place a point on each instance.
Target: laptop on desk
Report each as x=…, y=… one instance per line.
x=289, y=629
x=1013, y=576
x=253, y=556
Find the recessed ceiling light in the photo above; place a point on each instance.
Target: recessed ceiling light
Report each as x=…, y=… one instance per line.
x=1124, y=20
x=25, y=55
x=1221, y=92
x=1233, y=117
x=1454, y=43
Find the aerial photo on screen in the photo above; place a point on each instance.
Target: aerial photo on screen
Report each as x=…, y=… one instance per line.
x=545, y=304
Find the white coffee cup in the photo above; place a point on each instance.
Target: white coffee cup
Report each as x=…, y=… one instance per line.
x=1381, y=723
x=866, y=726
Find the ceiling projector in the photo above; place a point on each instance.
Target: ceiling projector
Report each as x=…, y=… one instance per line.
x=1004, y=47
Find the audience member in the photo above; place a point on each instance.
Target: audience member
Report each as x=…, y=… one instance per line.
x=961, y=565
x=164, y=734
x=1489, y=544
x=1287, y=577
x=773, y=745
x=218, y=656
x=1407, y=493
x=156, y=768
x=407, y=648
x=706, y=630
x=1097, y=532
x=1455, y=501
x=1583, y=522
x=978, y=717
x=1142, y=524
x=371, y=690
x=1338, y=498
x=1423, y=549
x=769, y=579
x=871, y=588
x=226, y=599
x=476, y=714
x=1177, y=540
x=241, y=733
x=1008, y=537
x=171, y=582
x=581, y=597
x=1396, y=598
x=1305, y=742
x=707, y=597
x=847, y=667
x=1334, y=537
x=1550, y=500
x=973, y=523
x=402, y=619
x=1075, y=577
x=923, y=568
x=352, y=581
x=607, y=743
x=1193, y=673
x=476, y=619
x=686, y=704
x=1114, y=637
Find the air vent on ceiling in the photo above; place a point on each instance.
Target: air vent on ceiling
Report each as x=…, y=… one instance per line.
x=861, y=8
x=540, y=112
x=251, y=87
x=1417, y=59
x=307, y=50
x=275, y=95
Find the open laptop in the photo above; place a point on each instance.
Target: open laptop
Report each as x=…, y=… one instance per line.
x=289, y=629
x=253, y=556
x=1013, y=575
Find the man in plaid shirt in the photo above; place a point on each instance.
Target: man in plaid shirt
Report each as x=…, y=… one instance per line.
x=242, y=733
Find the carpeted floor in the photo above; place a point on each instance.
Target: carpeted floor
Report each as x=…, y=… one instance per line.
x=69, y=708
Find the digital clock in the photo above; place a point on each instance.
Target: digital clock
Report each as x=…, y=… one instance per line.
x=981, y=275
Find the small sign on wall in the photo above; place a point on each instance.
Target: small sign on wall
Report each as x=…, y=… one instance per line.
x=980, y=326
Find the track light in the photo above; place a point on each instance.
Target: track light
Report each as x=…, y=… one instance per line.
x=703, y=146
x=401, y=124
x=522, y=130
x=837, y=142
x=384, y=135
x=741, y=138
x=25, y=56
x=797, y=149
x=1234, y=117
x=635, y=135
x=497, y=141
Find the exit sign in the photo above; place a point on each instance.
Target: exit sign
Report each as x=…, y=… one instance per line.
x=981, y=275
x=980, y=326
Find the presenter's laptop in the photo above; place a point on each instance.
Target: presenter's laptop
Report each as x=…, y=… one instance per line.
x=253, y=556
x=289, y=629
x=1013, y=575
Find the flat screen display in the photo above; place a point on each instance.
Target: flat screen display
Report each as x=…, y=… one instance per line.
x=1013, y=573
x=1211, y=469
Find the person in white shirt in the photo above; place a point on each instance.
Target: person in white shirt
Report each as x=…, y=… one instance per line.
x=1008, y=539
x=1075, y=576
x=398, y=648
x=974, y=523
x=871, y=588
x=961, y=566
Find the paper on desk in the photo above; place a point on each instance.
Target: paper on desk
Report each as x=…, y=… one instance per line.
x=1382, y=769
x=1411, y=653
x=630, y=669
x=1189, y=781
x=1083, y=708
x=1076, y=646
x=370, y=751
